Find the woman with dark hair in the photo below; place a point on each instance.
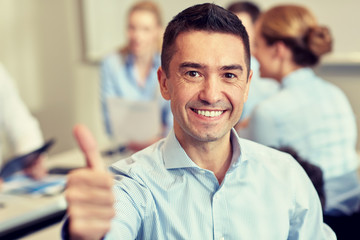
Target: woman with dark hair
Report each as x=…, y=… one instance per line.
x=309, y=114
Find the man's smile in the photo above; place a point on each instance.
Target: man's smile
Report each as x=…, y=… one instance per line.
x=208, y=113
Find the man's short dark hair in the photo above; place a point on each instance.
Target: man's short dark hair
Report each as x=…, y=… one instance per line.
x=247, y=7
x=202, y=17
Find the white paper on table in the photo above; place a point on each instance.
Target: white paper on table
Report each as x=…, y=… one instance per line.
x=134, y=120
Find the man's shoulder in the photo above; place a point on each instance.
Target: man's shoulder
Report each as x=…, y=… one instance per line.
x=143, y=161
x=273, y=165
x=267, y=157
x=257, y=150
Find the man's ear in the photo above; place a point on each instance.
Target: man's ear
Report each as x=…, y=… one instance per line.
x=163, y=82
x=248, y=86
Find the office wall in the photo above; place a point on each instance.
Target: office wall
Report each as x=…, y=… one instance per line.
x=105, y=26
x=42, y=46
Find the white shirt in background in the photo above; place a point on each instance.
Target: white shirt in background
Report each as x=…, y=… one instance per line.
x=16, y=123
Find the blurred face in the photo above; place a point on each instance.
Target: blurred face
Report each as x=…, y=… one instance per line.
x=266, y=55
x=249, y=25
x=207, y=85
x=143, y=32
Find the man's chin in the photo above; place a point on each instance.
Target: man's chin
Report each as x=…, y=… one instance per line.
x=209, y=136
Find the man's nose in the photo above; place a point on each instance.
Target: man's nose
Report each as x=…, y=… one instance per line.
x=211, y=90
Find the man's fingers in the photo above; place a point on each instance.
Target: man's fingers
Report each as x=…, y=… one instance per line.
x=88, y=228
x=89, y=192
x=89, y=147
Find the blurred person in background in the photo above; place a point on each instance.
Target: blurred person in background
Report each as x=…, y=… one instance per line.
x=130, y=73
x=18, y=126
x=260, y=88
x=309, y=114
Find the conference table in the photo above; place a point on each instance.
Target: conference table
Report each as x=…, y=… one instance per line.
x=39, y=217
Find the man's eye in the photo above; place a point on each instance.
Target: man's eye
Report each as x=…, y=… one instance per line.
x=192, y=74
x=229, y=75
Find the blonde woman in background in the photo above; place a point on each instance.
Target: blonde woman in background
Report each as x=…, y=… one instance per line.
x=131, y=73
x=309, y=114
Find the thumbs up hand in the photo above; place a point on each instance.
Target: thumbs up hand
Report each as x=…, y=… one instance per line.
x=89, y=192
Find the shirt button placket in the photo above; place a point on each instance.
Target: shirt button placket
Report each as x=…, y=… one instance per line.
x=217, y=217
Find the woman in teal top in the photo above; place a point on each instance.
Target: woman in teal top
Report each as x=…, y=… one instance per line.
x=131, y=73
x=308, y=114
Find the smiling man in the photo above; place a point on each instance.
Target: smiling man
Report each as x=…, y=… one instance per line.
x=202, y=181
x=207, y=91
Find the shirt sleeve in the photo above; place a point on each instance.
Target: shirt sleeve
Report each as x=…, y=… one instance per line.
x=262, y=127
x=306, y=220
x=20, y=127
x=131, y=199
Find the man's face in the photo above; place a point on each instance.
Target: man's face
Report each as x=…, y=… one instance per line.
x=207, y=85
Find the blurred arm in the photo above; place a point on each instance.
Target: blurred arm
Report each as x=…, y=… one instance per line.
x=20, y=127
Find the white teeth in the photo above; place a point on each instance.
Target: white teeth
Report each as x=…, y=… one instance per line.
x=209, y=113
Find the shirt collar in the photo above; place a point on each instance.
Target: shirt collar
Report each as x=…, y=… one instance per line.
x=176, y=157
x=239, y=153
x=298, y=77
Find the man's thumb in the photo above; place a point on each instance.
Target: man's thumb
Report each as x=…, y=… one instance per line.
x=89, y=147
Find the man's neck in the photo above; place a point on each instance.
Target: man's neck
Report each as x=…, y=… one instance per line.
x=214, y=156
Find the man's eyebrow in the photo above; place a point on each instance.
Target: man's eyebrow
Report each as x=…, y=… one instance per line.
x=201, y=66
x=232, y=67
x=191, y=65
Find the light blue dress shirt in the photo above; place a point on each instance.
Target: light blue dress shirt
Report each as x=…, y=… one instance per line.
x=162, y=194
x=260, y=89
x=315, y=118
x=118, y=79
